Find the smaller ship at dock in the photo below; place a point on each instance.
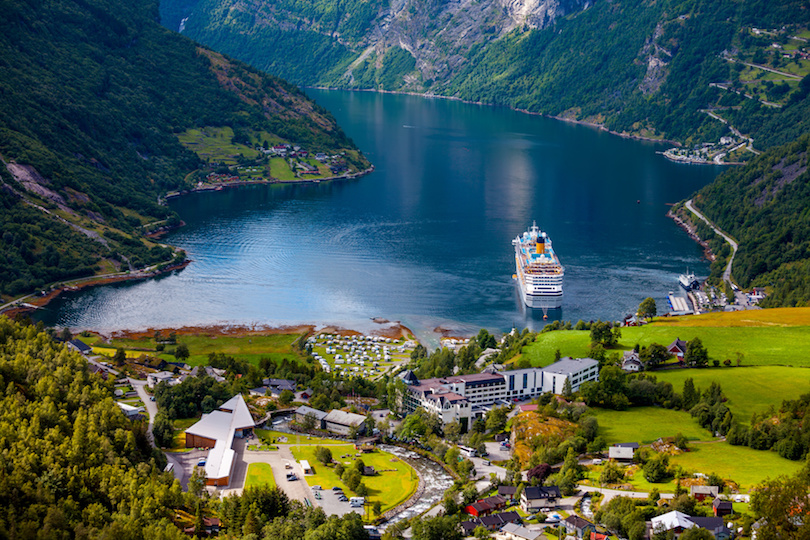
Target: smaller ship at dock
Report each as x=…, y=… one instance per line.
x=688, y=281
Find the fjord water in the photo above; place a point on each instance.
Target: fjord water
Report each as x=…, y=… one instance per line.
x=426, y=238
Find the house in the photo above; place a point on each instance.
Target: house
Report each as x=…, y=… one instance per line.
x=486, y=506
x=507, y=492
x=277, y=386
x=578, y=526
x=703, y=492
x=129, y=410
x=513, y=531
x=622, y=451
x=153, y=379
x=496, y=521
x=369, y=471
x=342, y=422
x=536, y=498
x=678, y=348
x=217, y=431
x=302, y=412
x=631, y=362
x=715, y=525
x=80, y=347
x=491, y=522
x=722, y=508
x=677, y=522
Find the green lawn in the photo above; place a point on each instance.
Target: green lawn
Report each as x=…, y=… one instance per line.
x=259, y=474
x=748, y=389
x=646, y=424
x=249, y=348
x=396, y=482
x=774, y=338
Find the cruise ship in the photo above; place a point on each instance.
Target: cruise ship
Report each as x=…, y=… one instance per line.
x=539, y=271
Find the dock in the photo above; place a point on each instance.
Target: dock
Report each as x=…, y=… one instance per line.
x=678, y=304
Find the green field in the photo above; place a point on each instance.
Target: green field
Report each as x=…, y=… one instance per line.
x=215, y=144
x=741, y=464
x=394, y=485
x=765, y=337
x=280, y=168
x=749, y=389
x=646, y=424
x=259, y=474
x=249, y=348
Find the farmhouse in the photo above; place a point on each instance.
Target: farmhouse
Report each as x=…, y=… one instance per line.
x=722, y=508
x=217, y=430
x=678, y=348
x=486, y=506
x=342, y=422
x=631, y=362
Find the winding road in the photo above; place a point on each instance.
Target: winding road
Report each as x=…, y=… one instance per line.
x=732, y=243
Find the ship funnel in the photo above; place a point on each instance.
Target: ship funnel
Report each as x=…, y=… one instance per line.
x=541, y=244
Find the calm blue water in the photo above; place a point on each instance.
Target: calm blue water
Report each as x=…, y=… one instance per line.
x=426, y=238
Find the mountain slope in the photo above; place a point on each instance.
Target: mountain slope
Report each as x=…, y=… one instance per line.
x=642, y=68
x=94, y=96
x=764, y=207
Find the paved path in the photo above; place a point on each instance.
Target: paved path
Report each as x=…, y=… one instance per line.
x=178, y=466
x=732, y=243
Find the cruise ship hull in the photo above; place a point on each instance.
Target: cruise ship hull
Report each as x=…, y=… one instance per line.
x=539, y=272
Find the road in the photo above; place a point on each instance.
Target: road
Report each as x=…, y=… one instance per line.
x=180, y=470
x=732, y=243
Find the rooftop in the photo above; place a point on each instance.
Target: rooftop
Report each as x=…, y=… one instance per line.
x=570, y=365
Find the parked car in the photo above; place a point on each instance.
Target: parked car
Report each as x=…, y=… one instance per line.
x=316, y=488
x=201, y=463
x=337, y=488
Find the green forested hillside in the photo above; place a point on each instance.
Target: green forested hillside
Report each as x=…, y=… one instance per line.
x=644, y=68
x=764, y=206
x=93, y=95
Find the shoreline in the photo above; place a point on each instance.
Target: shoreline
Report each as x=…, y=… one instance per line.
x=395, y=329
x=34, y=301
x=220, y=186
x=595, y=125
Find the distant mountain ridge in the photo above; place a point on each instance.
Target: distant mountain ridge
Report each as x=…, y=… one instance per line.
x=94, y=94
x=641, y=68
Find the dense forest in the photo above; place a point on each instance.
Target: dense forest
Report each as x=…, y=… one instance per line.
x=764, y=207
x=93, y=96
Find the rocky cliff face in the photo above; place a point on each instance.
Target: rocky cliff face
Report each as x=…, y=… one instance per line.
x=437, y=33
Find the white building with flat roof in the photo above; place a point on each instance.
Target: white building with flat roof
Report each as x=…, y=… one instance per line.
x=461, y=397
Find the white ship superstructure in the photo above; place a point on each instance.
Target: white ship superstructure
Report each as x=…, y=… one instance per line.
x=539, y=272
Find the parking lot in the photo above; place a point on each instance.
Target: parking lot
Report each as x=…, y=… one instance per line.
x=332, y=505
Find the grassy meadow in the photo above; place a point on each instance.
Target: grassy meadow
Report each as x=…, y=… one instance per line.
x=749, y=389
x=764, y=337
x=646, y=424
x=250, y=348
